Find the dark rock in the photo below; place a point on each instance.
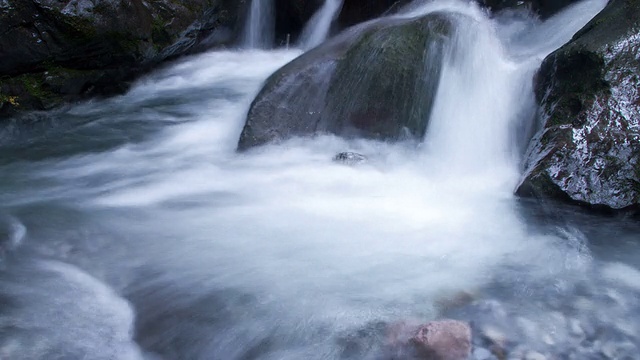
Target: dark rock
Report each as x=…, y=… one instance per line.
x=587, y=149
x=56, y=51
x=444, y=340
x=349, y=158
x=375, y=81
x=292, y=16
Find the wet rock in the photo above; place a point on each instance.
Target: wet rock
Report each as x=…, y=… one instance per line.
x=350, y=158
x=444, y=340
x=329, y=89
x=58, y=51
x=587, y=149
x=292, y=16
x=496, y=338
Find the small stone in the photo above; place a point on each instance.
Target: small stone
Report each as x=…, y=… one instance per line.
x=350, y=158
x=444, y=340
x=494, y=336
x=481, y=354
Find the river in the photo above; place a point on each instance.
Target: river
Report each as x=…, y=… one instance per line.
x=132, y=229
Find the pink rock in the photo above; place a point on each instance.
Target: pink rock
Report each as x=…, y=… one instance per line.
x=444, y=340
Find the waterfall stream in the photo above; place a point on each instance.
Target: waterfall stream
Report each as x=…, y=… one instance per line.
x=136, y=231
x=259, y=31
x=317, y=29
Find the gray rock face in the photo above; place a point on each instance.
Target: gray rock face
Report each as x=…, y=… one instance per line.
x=375, y=81
x=587, y=149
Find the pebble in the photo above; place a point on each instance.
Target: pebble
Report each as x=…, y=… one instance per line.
x=494, y=336
x=350, y=158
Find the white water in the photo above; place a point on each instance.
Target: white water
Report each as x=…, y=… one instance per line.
x=221, y=252
x=317, y=29
x=259, y=31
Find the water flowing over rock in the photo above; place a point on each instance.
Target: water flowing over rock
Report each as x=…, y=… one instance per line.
x=545, y=8
x=376, y=81
x=587, y=148
x=57, y=51
x=317, y=30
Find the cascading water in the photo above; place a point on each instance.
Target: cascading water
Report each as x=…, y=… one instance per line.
x=259, y=31
x=144, y=235
x=317, y=29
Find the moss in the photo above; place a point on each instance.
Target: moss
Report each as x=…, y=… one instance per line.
x=381, y=85
x=75, y=28
x=159, y=35
x=9, y=100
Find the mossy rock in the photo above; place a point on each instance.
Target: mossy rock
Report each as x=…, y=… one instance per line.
x=385, y=85
x=58, y=51
x=588, y=148
x=377, y=81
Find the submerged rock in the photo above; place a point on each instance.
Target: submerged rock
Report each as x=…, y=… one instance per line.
x=375, y=81
x=349, y=158
x=444, y=340
x=587, y=149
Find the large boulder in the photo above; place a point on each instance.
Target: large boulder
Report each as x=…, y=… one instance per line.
x=374, y=81
x=58, y=50
x=587, y=149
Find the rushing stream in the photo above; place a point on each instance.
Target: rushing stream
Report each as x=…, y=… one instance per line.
x=131, y=228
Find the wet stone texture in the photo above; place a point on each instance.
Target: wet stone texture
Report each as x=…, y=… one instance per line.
x=587, y=148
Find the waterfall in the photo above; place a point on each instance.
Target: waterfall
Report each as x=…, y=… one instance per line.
x=480, y=91
x=317, y=29
x=259, y=32
x=486, y=84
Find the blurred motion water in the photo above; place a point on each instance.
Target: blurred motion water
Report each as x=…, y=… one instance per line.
x=143, y=234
